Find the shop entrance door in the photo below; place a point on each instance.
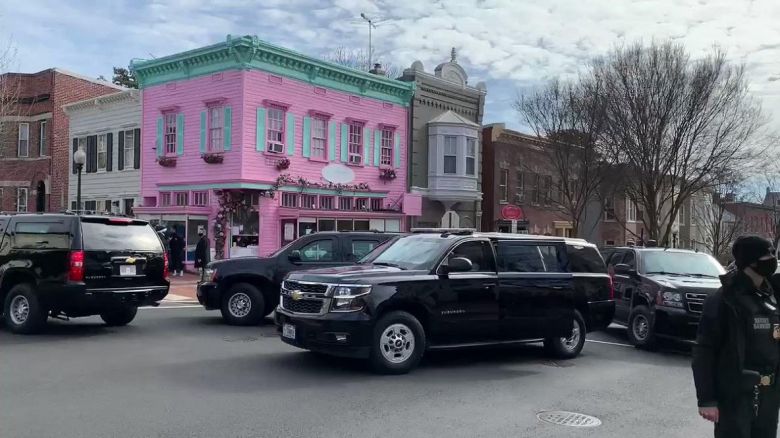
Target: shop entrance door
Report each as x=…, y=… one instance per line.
x=288, y=231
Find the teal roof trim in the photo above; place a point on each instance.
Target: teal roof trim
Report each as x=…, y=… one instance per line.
x=249, y=52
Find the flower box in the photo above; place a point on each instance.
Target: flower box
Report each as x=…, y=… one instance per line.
x=212, y=157
x=387, y=174
x=283, y=164
x=167, y=161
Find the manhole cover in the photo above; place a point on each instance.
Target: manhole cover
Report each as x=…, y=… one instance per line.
x=563, y=418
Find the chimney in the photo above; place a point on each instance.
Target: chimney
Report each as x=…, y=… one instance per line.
x=377, y=70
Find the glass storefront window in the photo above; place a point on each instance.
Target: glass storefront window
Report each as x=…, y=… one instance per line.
x=327, y=225
x=344, y=225
x=361, y=225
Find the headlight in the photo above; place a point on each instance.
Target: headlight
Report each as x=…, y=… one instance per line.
x=347, y=298
x=672, y=299
x=209, y=274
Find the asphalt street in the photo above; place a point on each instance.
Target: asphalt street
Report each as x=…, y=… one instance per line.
x=179, y=372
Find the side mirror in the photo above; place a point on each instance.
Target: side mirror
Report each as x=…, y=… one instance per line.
x=457, y=264
x=294, y=256
x=622, y=269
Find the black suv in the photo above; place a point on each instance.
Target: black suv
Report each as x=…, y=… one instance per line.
x=450, y=289
x=247, y=289
x=63, y=265
x=660, y=292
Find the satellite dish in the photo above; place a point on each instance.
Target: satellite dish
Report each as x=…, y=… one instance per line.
x=338, y=173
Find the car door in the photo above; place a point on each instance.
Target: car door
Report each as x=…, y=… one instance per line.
x=535, y=292
x=625, y=285
x=317, y=252
x=466, y=303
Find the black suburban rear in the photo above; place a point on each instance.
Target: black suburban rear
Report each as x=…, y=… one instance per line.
x=70, y=266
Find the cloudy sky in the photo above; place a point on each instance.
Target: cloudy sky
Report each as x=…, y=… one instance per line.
x=512, y=45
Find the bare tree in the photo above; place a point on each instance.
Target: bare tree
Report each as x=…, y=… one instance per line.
x=568, y=117
x=675, y=124
x=358, y=59
x=9, y=87
x=718, y=227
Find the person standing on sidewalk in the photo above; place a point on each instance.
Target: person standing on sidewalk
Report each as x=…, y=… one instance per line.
x=177, y=254
x=737, y=351
x=202, y=252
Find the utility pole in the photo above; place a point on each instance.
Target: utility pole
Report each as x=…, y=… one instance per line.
x=370, y=46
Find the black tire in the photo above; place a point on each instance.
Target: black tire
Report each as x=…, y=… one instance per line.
x=568, y=348
x=120, y=316
x=641, y=328
x=409, y=353
x=32, y=318
x=243, y=304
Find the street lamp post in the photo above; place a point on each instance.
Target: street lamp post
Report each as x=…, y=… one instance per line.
x=79, y=159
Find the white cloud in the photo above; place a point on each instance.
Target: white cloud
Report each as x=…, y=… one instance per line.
x=511, y=44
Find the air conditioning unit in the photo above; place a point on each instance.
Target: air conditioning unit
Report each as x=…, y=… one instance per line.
x=276, y=148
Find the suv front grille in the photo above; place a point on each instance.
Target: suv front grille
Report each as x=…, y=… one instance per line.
x=695, y=301
x=302, y=306
x=307, y=288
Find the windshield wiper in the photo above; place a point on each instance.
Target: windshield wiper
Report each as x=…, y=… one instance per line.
x=662, y=273
x=699, y=275
x=392, y=265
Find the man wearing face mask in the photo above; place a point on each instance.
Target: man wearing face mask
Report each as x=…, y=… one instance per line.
x=737, y=352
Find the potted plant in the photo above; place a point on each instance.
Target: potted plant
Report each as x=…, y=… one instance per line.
x=283, y=164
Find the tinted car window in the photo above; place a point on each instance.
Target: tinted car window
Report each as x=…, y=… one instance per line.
x=360, y=248
x=629, y=259
x=585, y=259
x=104, y=236
x=42, y=235
x=514, y=257
x=479, y=253
x=318, y=251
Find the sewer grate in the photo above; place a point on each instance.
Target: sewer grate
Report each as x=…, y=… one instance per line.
x=564, y=418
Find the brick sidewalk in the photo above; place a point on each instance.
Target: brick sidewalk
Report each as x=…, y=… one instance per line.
x=183, y=288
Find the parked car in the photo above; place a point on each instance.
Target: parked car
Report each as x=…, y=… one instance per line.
x=63, y=265
x=450, y=289
x=247, y=289
x=660, y=292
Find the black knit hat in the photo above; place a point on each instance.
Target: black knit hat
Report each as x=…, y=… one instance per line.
x=748, y=249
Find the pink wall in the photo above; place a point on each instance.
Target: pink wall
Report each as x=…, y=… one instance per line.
x=245, y=91
x=190, y=97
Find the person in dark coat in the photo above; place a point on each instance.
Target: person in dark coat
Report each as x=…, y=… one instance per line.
x=737, y=351
x=202, y=252
x=177, y=254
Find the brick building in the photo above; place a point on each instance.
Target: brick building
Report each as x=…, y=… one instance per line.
x=34, y=150
x=516, y=173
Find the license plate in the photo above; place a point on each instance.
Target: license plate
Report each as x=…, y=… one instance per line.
x=125, y=270
x=288, y=331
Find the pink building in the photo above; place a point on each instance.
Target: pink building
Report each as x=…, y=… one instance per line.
x=258, y=145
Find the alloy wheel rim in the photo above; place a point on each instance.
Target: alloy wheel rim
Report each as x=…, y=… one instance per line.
x=641, y=327
x=573, y=341
x=239, y=305
x=20, y=310
x=397, y=343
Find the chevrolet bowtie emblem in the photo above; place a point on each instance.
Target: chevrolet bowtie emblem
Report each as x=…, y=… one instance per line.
x=130, y=260
x=296, y=295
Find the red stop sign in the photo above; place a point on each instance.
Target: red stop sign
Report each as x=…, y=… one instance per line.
x=512, y=212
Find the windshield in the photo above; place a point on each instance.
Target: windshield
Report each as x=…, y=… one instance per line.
x=409, y=252
x=680, y=263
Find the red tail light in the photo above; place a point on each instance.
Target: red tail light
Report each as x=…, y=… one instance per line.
x=76, y=268
x=166, y=272
x=611, y=288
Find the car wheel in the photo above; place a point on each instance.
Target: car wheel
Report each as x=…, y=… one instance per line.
x=23, y=311
x=398, y=343
x=120, y=316
x=641, y=330
x=571, y=346
x=243, y=304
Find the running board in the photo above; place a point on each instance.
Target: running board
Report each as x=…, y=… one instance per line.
x=484, y=344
